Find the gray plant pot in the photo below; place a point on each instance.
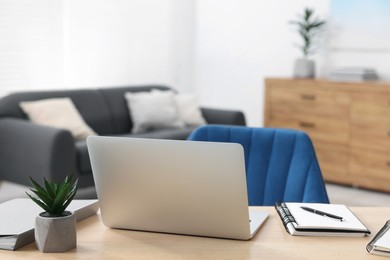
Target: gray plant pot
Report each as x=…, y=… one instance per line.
x=53, y=235
x=304, y=68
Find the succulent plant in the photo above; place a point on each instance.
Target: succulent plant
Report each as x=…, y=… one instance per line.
x=54, y=197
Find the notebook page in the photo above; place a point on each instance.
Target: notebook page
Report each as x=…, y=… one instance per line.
x=383, y=242
x=309, y=220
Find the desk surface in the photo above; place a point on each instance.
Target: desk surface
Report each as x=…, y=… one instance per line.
x=95, y=241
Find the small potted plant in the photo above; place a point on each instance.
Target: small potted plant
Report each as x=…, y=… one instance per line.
x=55, y=228
x=308, y=27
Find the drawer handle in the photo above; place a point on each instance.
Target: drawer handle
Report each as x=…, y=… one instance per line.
x=308, y=97
x=388, y=163
x=307, y=124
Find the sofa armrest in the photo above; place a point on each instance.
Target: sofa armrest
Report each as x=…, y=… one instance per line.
x=28, y=149
x=223, y=117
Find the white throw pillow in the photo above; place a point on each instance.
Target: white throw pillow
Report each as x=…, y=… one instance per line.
x=189, y=111
x=57, y=112
x=150, y=110
x=188, y=108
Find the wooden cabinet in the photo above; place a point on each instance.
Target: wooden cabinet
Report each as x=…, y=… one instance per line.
x=349, y=124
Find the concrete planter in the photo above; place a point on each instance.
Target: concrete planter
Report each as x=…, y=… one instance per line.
x=304, y=68
x=54, y=235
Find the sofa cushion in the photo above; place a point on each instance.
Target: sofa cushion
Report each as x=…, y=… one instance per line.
x=189, y=110
x=90, y=103
x=153, y=110
x=174, y=134
x=117, y=106
x=57, y=112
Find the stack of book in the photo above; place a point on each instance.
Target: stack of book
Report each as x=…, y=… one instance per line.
x=17, y=220
x=380, y=244
x=353, y=74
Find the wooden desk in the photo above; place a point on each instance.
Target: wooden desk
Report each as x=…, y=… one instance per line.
x=95, y=241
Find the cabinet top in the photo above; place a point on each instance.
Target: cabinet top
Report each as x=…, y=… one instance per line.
x=375, y=86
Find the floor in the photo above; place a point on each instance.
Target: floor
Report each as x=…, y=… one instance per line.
x=357, y=197
x=337, y=194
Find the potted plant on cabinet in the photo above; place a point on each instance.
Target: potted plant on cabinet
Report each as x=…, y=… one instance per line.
x=55, y=228
x=308, y=27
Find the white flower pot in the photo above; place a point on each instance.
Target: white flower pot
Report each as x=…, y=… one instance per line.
x=55, y=234
x=304, y=68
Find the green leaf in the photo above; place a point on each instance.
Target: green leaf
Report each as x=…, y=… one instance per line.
x=54, y=197
x=36, y=185
x=308, y=13
x=68, y=202
x=49, y=188
x=43, y=197
x=42, y=205
x=317, y=24
x=61, y=197
x=71, y=195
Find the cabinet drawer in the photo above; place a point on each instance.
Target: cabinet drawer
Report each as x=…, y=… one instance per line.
x=319, y=129
x=370, y=163
x=365, y=105
x=309, y=101
x=371, y=133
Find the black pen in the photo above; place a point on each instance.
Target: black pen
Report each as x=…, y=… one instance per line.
x=319, y=212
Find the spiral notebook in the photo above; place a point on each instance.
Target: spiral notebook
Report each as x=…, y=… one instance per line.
x=298, y=221
x=380, y=244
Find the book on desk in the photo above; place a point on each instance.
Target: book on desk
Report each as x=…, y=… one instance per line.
x=319, y=219
x=18, y=217
x=380, y=244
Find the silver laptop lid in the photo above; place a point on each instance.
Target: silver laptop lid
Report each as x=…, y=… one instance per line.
x=184, y=187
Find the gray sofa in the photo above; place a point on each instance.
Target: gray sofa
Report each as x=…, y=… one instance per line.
x=28, y=149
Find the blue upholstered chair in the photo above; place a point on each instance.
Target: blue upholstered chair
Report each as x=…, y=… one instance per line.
x=281, y=164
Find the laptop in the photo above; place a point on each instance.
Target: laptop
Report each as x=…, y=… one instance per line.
x=171, y=186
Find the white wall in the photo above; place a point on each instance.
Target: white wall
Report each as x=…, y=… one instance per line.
x=30, y=44
x=119, y=42
x=239, y=43
x=183, y=46
x=52, y=44
x=357, y=35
